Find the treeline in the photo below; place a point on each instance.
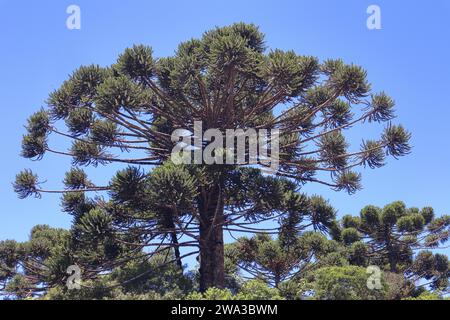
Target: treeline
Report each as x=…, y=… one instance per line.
x=395, y=240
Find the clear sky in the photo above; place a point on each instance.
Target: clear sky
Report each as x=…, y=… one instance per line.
x=408, y=58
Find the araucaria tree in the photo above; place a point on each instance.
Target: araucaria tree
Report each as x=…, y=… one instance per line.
x=398, y=240
x=227, y=79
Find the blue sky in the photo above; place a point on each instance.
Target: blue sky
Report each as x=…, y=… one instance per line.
x=408, y=58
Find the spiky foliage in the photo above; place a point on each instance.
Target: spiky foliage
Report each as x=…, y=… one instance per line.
x=275, y=262
x=227, y=79
x=398, y=240
x=30, y=268
x=38, y=268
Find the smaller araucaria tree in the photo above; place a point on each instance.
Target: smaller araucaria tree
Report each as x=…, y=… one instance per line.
x=276, y=262
x=30, y=268
x=37, y=268
x=398, y=240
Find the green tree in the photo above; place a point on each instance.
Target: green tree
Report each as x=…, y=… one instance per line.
x=37, y=268
x=345, y=283
x=31, y=267
x=153, y=279
x=275, y=262
x=251, y=290
x=396, y=239
x=426, y=295
x=227, y=79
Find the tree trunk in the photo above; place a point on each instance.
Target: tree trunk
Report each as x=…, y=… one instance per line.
x=392, y=255
x=169, y=223
x=211, y=208
x=176, y=250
